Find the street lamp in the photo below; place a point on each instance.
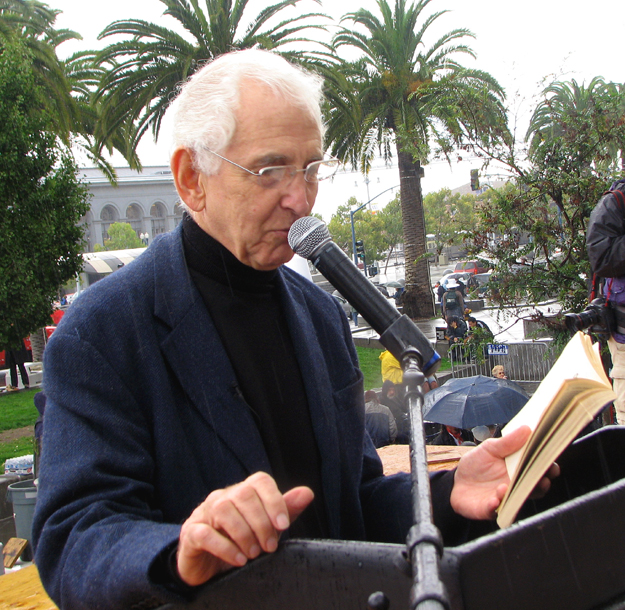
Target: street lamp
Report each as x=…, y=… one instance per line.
x=144, y=237
x=351, y=219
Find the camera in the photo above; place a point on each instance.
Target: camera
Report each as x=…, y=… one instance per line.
x=598, y=316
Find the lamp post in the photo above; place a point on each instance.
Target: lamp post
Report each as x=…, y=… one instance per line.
x=351, y=218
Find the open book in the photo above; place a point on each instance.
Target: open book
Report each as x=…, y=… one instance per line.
x=574, y=391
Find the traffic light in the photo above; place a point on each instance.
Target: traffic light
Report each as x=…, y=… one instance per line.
x=475, y=180
x=360, y=249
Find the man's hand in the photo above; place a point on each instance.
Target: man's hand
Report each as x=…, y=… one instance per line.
x=481, y=479
x=236, y=524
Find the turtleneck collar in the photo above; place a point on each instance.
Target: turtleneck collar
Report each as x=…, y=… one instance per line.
x=207, y=256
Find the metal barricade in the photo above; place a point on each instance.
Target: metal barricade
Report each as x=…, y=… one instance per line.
x=522, y=360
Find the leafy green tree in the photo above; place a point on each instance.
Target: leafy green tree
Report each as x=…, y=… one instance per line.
x=122, y=237
x=448, y=217
x=575, y=135
x=142, y=72
x=403, y=95
x=380, y=231
x=392, y=229
x=41, y=202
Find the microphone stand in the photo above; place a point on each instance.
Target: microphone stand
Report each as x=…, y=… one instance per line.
x=309, y=237
x=424, y=544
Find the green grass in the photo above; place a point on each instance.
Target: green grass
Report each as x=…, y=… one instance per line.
x=11, y=449
x=17, y=409
x=370, y=366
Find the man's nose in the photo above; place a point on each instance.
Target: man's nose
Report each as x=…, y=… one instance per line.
x=299, y=195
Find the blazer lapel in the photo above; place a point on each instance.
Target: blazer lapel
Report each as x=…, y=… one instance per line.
x=197, y=357
x=319, y=393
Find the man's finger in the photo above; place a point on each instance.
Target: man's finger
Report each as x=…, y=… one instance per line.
x=297, y=499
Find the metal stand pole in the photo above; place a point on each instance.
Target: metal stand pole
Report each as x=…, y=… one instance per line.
x=424, y=543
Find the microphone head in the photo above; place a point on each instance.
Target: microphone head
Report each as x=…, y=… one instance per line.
x=306, y=235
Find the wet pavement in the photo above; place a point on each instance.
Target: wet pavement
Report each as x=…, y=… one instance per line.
x=506, y=324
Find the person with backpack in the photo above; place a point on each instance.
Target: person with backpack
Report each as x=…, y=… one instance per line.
x=452, y=303
x=605, y=242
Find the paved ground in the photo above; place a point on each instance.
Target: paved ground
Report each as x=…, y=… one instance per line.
x=506, y=325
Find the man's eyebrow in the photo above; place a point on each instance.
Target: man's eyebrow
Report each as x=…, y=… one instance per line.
x=270, y=159
x=278, y=159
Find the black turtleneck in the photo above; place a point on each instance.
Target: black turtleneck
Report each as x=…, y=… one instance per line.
x=245, y=306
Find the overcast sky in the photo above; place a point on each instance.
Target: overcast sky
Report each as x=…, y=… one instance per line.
x=524, y=45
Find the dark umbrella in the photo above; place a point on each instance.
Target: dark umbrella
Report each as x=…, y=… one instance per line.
x=474, y=401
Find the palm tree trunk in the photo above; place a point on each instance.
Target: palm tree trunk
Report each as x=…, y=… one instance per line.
x=417, y=300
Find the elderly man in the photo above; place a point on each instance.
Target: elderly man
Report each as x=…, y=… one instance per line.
x=205, y=399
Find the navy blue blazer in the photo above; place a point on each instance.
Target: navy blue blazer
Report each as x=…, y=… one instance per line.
x=144, y=420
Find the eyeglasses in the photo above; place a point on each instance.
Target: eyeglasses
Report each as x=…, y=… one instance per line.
x=269, y=177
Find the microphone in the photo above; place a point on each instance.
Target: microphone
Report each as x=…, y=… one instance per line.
x=309, y=237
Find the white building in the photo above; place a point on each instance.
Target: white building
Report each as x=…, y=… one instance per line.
x=147, y=201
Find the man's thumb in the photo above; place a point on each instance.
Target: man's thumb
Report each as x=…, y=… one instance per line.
x=297, y=499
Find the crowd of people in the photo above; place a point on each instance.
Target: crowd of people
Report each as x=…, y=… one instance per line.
x=386, y=413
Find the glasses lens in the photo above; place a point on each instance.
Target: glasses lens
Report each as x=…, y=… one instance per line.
x=271, y=176
x=321, y=170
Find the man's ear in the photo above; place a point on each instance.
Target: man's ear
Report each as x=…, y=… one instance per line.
x=187, y=179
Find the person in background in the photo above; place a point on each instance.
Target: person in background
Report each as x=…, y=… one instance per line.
x=450, y=435
x=499, y=372
x=456, y=330
x=15, y=358
x=439, y=290
x=452, y=302
x=390, y=367
x=398, y=295
x=483, y=433
x=390, y=398
x=474, y=324
x=379, y=421
x=605, y=242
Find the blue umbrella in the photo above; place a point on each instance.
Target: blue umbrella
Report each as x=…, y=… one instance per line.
x=474, y=401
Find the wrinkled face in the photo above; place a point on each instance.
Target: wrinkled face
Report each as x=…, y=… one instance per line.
x=252, y=221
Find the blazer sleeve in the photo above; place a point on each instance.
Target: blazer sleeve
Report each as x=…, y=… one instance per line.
x=387, y=503
x=97, y=532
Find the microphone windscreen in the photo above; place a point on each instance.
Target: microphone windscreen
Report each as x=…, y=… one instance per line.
x=306, y=235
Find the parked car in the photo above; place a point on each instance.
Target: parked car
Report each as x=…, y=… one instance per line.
x=470, y=267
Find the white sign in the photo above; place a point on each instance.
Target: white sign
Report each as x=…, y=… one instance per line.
x=498, y=349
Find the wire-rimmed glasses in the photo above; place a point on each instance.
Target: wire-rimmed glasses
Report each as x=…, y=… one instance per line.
x=271, y=176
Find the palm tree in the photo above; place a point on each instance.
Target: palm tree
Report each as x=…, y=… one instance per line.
x=32, y=23
x=144, y=70
x=69, y=84
x=401, y=95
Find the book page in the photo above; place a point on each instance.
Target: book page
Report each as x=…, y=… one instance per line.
x=579, y=413
x=579, y=359
x=574, y=391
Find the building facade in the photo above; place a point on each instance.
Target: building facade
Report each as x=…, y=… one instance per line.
x=147, y=201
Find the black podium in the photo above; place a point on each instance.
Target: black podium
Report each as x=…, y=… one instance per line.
x=567, y=552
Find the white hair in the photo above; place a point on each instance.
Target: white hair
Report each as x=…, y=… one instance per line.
x=204, y=112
